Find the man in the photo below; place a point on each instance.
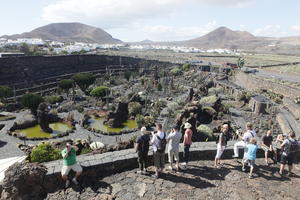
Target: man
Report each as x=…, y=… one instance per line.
x=268, y=147
x=290, y=146
x=69, y=163
x=142, y=148
x=221, y=143
x=158, y=143
x=187, y=141
x=245, y=139
x=173, y=140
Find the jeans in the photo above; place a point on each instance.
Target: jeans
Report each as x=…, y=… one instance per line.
x=186, y=154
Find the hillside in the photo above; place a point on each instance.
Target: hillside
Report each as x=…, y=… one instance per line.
x=69, y=32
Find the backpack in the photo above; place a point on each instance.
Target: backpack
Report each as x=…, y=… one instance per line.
x=162, y=143
x=291, y=147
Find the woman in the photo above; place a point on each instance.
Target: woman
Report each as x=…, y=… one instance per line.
x=221, y=143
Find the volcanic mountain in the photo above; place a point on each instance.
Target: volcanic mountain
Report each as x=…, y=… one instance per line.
x=69, y=32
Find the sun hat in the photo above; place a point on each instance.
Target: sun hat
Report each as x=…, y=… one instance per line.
x=187, y=125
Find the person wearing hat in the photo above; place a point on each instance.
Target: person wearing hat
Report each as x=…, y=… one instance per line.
x=142, y=148
x=187, y=141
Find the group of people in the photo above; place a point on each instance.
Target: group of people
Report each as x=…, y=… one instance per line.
x=284, y=150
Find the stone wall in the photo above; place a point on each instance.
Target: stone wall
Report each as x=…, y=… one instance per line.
x=252, y=82
x=292, y=106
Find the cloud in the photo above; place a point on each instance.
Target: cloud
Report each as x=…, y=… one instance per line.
x=296, y=28
x=116, y=13
x=274, y=30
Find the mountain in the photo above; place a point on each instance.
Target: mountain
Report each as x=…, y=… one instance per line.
x=69, y=32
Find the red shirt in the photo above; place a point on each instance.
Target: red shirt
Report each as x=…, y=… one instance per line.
x=188, y=136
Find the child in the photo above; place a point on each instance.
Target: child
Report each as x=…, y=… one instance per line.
x=251, y=155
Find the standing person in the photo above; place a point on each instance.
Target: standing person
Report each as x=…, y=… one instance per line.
x=290, y=146
x=250, y=133
x=187, y=141
x=158, y=143
x=69, y=163
x=250, y=155
x=173, y=140
x=221, y=143
x=267, y=146
x=142, y=148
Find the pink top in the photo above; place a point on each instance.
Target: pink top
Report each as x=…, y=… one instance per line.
x=188, y=136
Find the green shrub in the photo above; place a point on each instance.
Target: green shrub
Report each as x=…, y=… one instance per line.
x=86, y=150
x=211, y=111
x=83, y=80
x=185, y=67
x=215, y=90
x=5, y=91
x=203, y=129
x=140, y=121
x=134, y=108
x=149, y=121
x=54, y=99
x=44, y=153
x=210, y=100
x=176, y=71
x=99, y=92
x=127, y=75
x=66, y=84
x=31, y=101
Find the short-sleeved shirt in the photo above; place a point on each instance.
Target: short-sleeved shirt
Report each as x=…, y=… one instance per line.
x=143, y=143
x=174, y=140
x=188, y=136
x=251, y=151
x=248, y=135
x=71, y=159
x=267, y=140
x=223, y=138
x=286, y=143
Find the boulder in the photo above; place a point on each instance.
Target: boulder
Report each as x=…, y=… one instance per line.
x=117, y=118
x=25, y=121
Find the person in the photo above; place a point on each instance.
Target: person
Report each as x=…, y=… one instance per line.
x=142, y=148
x=173, y=141
x=221, y=143
x=267, y=146
x=250, y=133
x=290, y=146
x=250, y=155
x=69, y=163
x=158, y=143
x=187, y=141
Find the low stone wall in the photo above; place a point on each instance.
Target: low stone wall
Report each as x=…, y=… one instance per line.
x=252, y=82
x=114, y=162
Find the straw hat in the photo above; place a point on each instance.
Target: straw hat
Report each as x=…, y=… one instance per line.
x=187, y=125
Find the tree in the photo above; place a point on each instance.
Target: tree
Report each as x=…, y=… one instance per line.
x=99, y=92
x=5, y=92
x=241, y=62
x=83, y=80
x=25, y=49
x=66, y=84
x=31, y=101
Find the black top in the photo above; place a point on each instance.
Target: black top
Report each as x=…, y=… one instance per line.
x=143, y=143
x=267, y=140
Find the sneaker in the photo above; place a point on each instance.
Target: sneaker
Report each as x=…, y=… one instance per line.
x=235, y=156
x=67, y=184
x=250, y=176
x=139, y=172
x=171, y=168
x=75, y=181
x=243, y=169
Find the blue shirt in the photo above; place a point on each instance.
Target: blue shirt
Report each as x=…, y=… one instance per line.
x=251, y=151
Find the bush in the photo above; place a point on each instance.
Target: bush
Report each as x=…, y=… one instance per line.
x=66, y=84
x=149, y=121
x=44, y=153
x=54, y=99
x=159, y=87
x=176, y=71
x=31, y=101
x=185, y=67
x=127, y=75
x=5, y=91
x=210, y=100
x=215, y=90
x=134, y=108
x=140, y=121
x=83, y=80
x=203, y=129
x=99, y=92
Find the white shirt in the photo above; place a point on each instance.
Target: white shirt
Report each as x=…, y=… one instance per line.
x=248, y=135
x=174, y=140
x=155, y=141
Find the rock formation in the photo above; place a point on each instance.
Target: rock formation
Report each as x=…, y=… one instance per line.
x=117, y=118
x=43, y=118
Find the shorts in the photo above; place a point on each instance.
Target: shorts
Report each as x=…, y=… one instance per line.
x=66, y=169
x=287, y=159
x=173, y=153
x=220, y=150
x=159, y=159
x=250, y=162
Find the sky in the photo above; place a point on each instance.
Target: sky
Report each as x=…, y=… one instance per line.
x=156, y=20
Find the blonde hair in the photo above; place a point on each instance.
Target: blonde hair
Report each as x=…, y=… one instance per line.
x=249, y=125
x=253, y=140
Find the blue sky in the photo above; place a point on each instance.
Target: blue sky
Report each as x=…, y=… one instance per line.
x=135, y=20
